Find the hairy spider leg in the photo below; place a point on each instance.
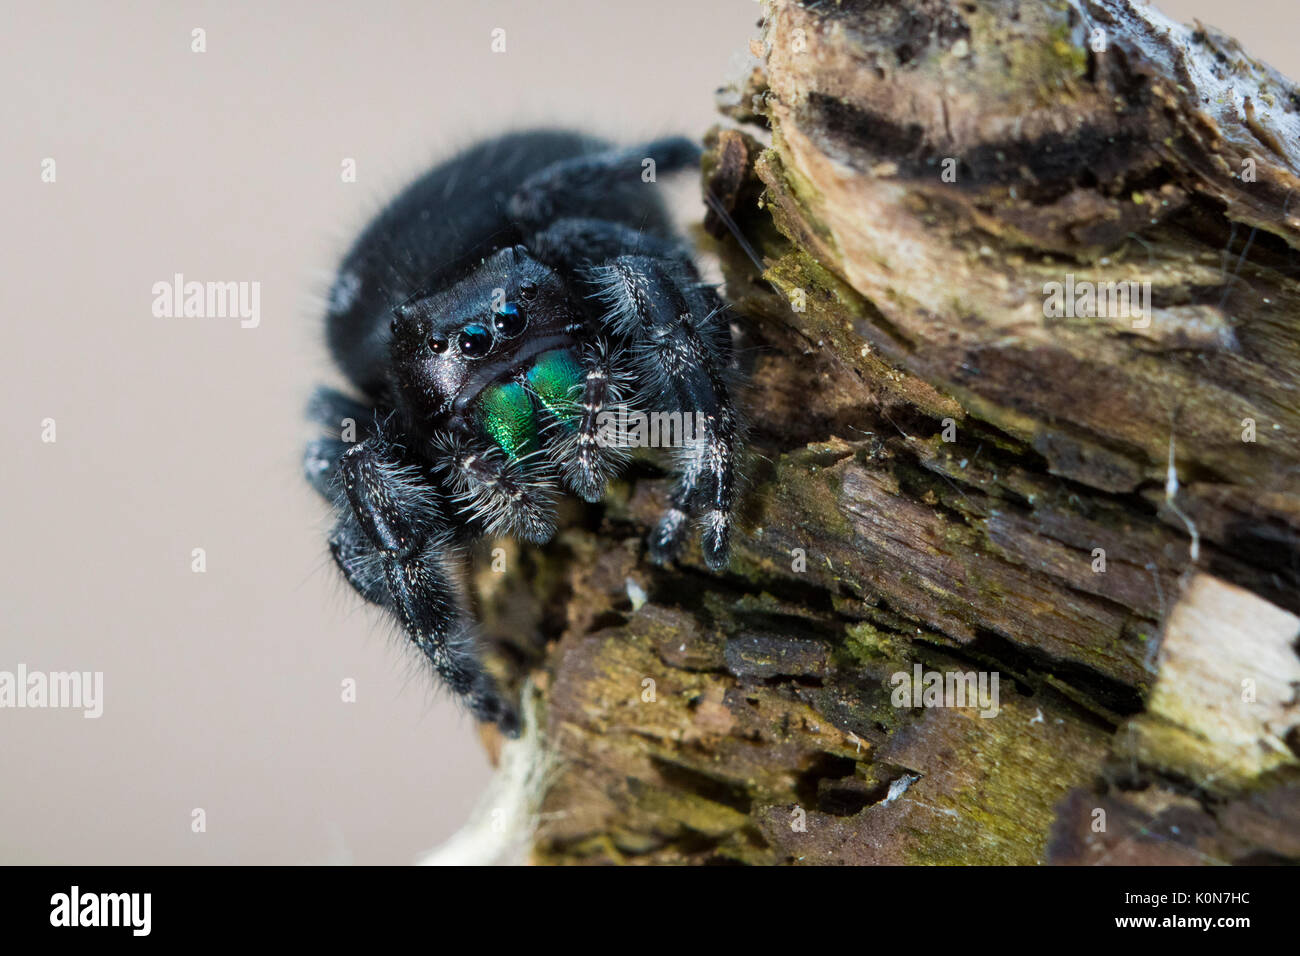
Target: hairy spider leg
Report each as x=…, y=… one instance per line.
x=608, y=185
x=656, y=300
x=648, y=302
x=402, y=520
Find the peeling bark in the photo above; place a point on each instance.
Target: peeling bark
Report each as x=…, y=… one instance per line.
x=940, y=470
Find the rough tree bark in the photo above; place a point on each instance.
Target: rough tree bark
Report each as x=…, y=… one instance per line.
x=1103, y=511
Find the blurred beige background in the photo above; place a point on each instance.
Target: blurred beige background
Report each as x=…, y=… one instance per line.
x=222, y=690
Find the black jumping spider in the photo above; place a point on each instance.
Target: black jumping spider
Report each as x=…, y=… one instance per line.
x=489, y=315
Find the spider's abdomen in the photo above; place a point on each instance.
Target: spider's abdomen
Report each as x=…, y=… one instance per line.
x=510, y=412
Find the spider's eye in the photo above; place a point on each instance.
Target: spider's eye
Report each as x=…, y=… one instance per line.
x=474, y=341
x=509, y=320
x=527, y=289
x=438, y=344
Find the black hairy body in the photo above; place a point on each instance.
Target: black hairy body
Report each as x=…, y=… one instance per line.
x=487, y=318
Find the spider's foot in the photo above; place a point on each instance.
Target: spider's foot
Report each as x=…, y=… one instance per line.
x=490, y=707
x=668, y=536
x=585, y=473
x=589, y=487
x=507, y=720
x=715, y=541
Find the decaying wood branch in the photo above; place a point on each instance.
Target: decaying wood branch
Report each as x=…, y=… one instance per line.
x=958, y=467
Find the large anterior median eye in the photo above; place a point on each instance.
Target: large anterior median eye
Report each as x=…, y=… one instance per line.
x=474, y=340
x=509, y=320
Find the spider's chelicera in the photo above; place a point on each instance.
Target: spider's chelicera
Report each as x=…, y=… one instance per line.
x=492, y=316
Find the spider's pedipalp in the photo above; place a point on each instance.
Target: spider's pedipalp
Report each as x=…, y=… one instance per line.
x=578, y=449
x=514, y=497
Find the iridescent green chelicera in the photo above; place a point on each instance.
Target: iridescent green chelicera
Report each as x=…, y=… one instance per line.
x=509, y=414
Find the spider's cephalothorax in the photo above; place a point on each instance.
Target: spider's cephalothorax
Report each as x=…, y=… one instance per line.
x=492, y=316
